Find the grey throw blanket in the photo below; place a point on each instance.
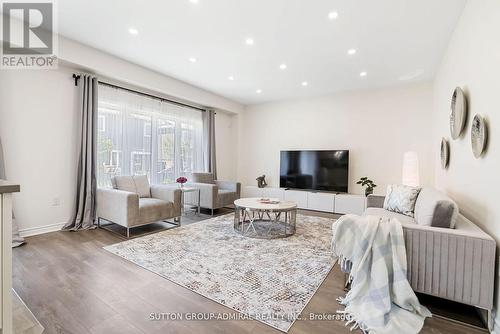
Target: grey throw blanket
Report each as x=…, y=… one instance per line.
x=381, y=300
x=17, y=240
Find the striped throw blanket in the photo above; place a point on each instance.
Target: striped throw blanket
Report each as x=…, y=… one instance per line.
x=381, y=299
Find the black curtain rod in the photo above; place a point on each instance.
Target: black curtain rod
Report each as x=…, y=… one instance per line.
x=76, y=77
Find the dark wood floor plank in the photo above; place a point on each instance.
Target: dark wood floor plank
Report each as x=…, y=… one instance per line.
x=73, y=285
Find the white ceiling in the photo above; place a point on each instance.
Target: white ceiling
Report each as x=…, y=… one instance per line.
x=397, y=41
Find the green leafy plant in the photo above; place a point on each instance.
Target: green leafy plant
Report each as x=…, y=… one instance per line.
x=366, y=182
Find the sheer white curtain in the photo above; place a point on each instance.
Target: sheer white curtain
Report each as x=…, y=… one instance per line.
x=140, y=135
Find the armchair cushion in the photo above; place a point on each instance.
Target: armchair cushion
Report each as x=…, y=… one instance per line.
x=152, y=209
x=142, y=185
x=226, y=197
x=124, y=183
x=138, y=184
x=168, y=193
x=203, y=178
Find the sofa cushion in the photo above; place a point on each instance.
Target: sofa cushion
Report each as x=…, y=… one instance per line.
x=203, y=178
x=379, y=212
x=138, y=184
x=401, y=199
x=434, y=208
x=152, y=209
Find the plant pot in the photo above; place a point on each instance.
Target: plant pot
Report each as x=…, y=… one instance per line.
x=368, y=191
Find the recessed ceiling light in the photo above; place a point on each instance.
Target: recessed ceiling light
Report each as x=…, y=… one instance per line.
x=283, y=67
x=411, y=75
x=230, y=78
x=193, y=59
x=304, y=83
x=351, y=52
x=363, y=74
x=249, y=41
x=258, y=91
x=133, y=31
x=333, y=15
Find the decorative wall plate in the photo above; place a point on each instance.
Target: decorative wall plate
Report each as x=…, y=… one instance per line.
x=458, y=116
x=445, y=153
x=479, y=135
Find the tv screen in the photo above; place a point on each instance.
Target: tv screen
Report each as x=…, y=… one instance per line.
x=315, y=170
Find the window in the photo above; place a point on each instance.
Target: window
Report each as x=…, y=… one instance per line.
x=140, y=135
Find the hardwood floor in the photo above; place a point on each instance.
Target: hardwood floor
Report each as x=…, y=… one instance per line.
x=72, y=285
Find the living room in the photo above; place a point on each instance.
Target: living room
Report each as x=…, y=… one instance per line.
x=145, y=97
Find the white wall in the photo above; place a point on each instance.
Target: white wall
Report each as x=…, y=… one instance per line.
x=376, y=126
x=226, y=141
x=38, y=126
x=472, y=62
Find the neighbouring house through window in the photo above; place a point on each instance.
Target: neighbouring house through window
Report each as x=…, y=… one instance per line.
x=140, y=135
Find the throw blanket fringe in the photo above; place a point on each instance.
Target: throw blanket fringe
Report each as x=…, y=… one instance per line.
x=373, y=252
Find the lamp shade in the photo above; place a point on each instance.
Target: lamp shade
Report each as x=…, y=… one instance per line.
x=411, y=175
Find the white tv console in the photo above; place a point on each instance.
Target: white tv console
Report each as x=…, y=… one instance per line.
x=310, y=200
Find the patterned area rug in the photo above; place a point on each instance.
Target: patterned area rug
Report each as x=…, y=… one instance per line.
x=268, y=280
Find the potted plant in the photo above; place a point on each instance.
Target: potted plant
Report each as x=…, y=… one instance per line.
x=366, y=182
x=181, y=180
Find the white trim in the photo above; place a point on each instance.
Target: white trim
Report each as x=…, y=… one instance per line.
x=31, y=231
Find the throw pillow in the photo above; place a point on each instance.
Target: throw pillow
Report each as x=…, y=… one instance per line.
x=401, y=199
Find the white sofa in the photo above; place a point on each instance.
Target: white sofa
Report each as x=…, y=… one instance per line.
x=456, y=263
x=133, y=202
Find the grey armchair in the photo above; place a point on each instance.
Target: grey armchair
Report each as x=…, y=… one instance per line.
x=133, y=202
x=215, y=194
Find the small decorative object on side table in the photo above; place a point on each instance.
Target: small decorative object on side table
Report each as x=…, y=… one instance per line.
x=365, y=181
x=181, y=180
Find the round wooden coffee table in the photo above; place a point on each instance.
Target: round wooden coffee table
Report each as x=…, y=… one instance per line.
x=255, y=219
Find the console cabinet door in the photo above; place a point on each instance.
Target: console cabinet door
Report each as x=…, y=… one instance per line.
x=353, y=204
x=251, y=191
x=321, y=202
x=274, y=193
x=299, y=197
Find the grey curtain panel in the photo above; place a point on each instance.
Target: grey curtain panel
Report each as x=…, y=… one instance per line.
x=16, y=238
x=85, y=210
x=209, y=140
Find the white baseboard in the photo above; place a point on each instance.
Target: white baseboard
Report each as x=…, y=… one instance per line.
x=31, y=231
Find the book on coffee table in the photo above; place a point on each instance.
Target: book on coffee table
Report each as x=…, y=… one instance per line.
x=269, y=201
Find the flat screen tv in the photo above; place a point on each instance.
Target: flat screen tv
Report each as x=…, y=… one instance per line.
x=315, y=170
